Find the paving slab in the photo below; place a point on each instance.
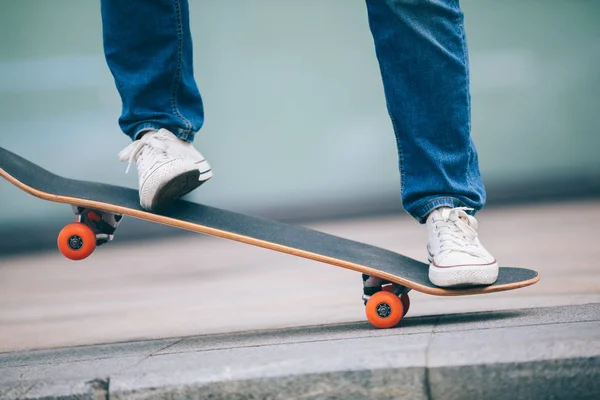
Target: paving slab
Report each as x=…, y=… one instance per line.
x=514, y=344
x=522, y=317
x=301, y=359
x=65, y=390
x=567, y=379
x=325, y=333
x=386, y=384
x=83, y=353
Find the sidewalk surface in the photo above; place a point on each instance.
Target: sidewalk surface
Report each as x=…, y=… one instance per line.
x=306, y=335
x=549, y=352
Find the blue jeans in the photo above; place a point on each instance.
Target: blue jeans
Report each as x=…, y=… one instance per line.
x=423, y=59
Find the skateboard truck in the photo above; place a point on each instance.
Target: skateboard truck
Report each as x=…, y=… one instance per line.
x=102, y=223
x=398, y=290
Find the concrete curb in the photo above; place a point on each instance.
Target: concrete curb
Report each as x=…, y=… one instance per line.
x=556, y=379
x=517, y=354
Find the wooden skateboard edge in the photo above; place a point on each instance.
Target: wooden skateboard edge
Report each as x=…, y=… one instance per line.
x=164, y=220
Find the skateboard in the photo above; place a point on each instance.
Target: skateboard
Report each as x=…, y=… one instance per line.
x=384, y=308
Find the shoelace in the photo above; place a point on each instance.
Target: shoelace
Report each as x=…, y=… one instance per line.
x=140, y=147
x=457, y=232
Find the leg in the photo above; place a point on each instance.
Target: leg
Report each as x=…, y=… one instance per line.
x=423, y=60
x=422, y=53
x=148, y=48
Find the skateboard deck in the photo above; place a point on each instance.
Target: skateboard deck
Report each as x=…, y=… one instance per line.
x=286, y=238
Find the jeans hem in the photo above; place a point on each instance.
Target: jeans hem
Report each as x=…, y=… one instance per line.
x=179, y=133
x=420, y=213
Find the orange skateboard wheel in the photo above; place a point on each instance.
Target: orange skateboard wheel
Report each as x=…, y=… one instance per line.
x=76, y=241
x=384, y=310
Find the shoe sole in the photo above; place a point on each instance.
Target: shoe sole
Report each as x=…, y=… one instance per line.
x=463, y=276
x=180, y=186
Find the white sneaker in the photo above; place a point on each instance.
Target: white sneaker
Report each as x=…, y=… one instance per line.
x=457, y=257
x=168, y=167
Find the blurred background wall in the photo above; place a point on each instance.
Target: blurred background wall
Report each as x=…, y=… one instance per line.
x=292, y=97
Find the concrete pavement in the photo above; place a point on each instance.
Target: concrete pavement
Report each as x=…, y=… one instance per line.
x=549, y=352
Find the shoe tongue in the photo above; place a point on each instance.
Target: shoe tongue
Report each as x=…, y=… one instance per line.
x=468, y=220
x=445, y=212
x=166, y=134
x=457, y=214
